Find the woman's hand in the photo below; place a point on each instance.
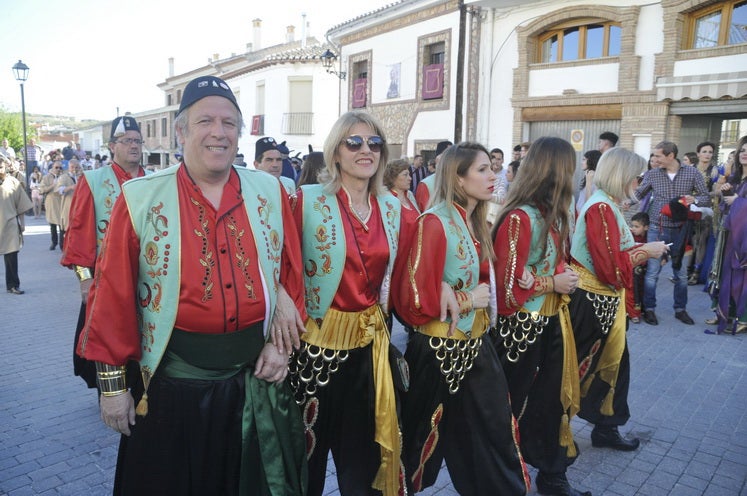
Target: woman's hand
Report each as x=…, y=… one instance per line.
x=527, y=280
x=481, y=296
x=565, y=282
x=449, y=307
x=655, y=249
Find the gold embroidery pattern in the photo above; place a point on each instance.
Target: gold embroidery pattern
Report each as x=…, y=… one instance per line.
x=508, y=278
x=412, y=267
x=325, y=235
x=467, y=260
x=272, y=241
x=156, y=265
x=241, y=260
x=207, y=257
x=428, y=448
x=109, y=199
x=602, y=210
x=310, y=414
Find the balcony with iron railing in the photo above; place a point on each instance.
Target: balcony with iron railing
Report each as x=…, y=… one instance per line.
x=298, y=123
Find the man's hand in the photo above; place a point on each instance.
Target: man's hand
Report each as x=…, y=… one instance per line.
x=118, y=412
x=287, y=325
x=449, y=307
x=272, y=365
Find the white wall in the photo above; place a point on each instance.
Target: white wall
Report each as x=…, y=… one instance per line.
x=602, y=78
x=400, y=46
x=649, y=42
x=710, y=65
x=324, y=105
x=500, y=41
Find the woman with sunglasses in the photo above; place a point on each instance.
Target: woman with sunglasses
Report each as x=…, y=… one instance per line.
x=457, y=408
x=533, y=335
x=341, y=376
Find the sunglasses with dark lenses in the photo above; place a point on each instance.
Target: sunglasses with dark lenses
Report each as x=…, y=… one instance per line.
x=354, y=143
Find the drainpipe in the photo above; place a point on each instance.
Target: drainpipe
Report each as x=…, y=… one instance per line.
x=459, y=99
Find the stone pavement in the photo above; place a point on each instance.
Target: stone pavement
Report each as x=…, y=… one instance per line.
x=688, y=401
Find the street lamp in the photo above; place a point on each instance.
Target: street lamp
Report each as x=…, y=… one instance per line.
x=21, y=72
x=328, y=58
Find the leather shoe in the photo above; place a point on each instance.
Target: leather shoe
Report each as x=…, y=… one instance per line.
x=52, y=247
x=683, y=317
x=15, y=291
x=609, y=437
x=557, y=485
x=649, y=317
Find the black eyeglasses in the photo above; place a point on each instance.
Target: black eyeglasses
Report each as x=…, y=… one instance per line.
x=130, y=141
x=354, y=143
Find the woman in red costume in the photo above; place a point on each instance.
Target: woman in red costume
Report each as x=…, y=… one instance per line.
x=533, y=335
x=458, y=407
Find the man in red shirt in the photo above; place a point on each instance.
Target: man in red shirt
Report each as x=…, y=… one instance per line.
x=197, y=281
x=90, y=210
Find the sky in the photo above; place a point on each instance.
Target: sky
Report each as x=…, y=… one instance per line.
x=90, y=58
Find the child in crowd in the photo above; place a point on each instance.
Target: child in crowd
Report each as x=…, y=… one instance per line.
x=633, y=300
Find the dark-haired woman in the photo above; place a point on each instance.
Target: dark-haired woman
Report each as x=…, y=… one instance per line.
x=588, y=166
x=457, y=408
x=533, y=335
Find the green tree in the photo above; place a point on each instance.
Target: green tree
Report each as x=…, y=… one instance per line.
x=11, y=128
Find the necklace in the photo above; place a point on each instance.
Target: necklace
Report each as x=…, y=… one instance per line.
x=361, y=213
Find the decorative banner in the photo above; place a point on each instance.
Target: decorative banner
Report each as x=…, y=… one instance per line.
x=394, y=71
x=577, y=139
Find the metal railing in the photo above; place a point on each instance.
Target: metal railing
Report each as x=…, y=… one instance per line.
x=298, y=123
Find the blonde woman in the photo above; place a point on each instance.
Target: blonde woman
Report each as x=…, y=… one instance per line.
x=342, y=379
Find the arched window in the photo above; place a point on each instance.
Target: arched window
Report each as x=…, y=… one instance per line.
x=724, y=23
x=585, y=39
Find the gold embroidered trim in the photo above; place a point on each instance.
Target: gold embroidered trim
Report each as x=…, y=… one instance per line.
x=602, y=209
x=514, y=221
x=413, y=268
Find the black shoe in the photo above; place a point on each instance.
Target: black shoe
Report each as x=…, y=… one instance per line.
x=556, y=485
x=649, y=317
x=683, y=317
x=15, y=291
x=609, y=437
x=52, y=247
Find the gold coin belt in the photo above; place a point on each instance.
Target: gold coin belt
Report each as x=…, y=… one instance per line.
x=518, y=331
x=311, y=367
x=605, y=309
x=455, y=358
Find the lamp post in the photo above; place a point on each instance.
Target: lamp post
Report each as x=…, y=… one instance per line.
x=328, y=58
x=21, y=72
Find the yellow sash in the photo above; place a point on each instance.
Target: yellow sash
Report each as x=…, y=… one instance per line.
x=350, y=330
x=439, y=329
x=608, y=365
x=570, y=396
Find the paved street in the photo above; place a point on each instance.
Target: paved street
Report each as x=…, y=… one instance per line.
x=688, y=401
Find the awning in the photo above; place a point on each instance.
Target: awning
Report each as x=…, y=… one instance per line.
x=712, y=86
